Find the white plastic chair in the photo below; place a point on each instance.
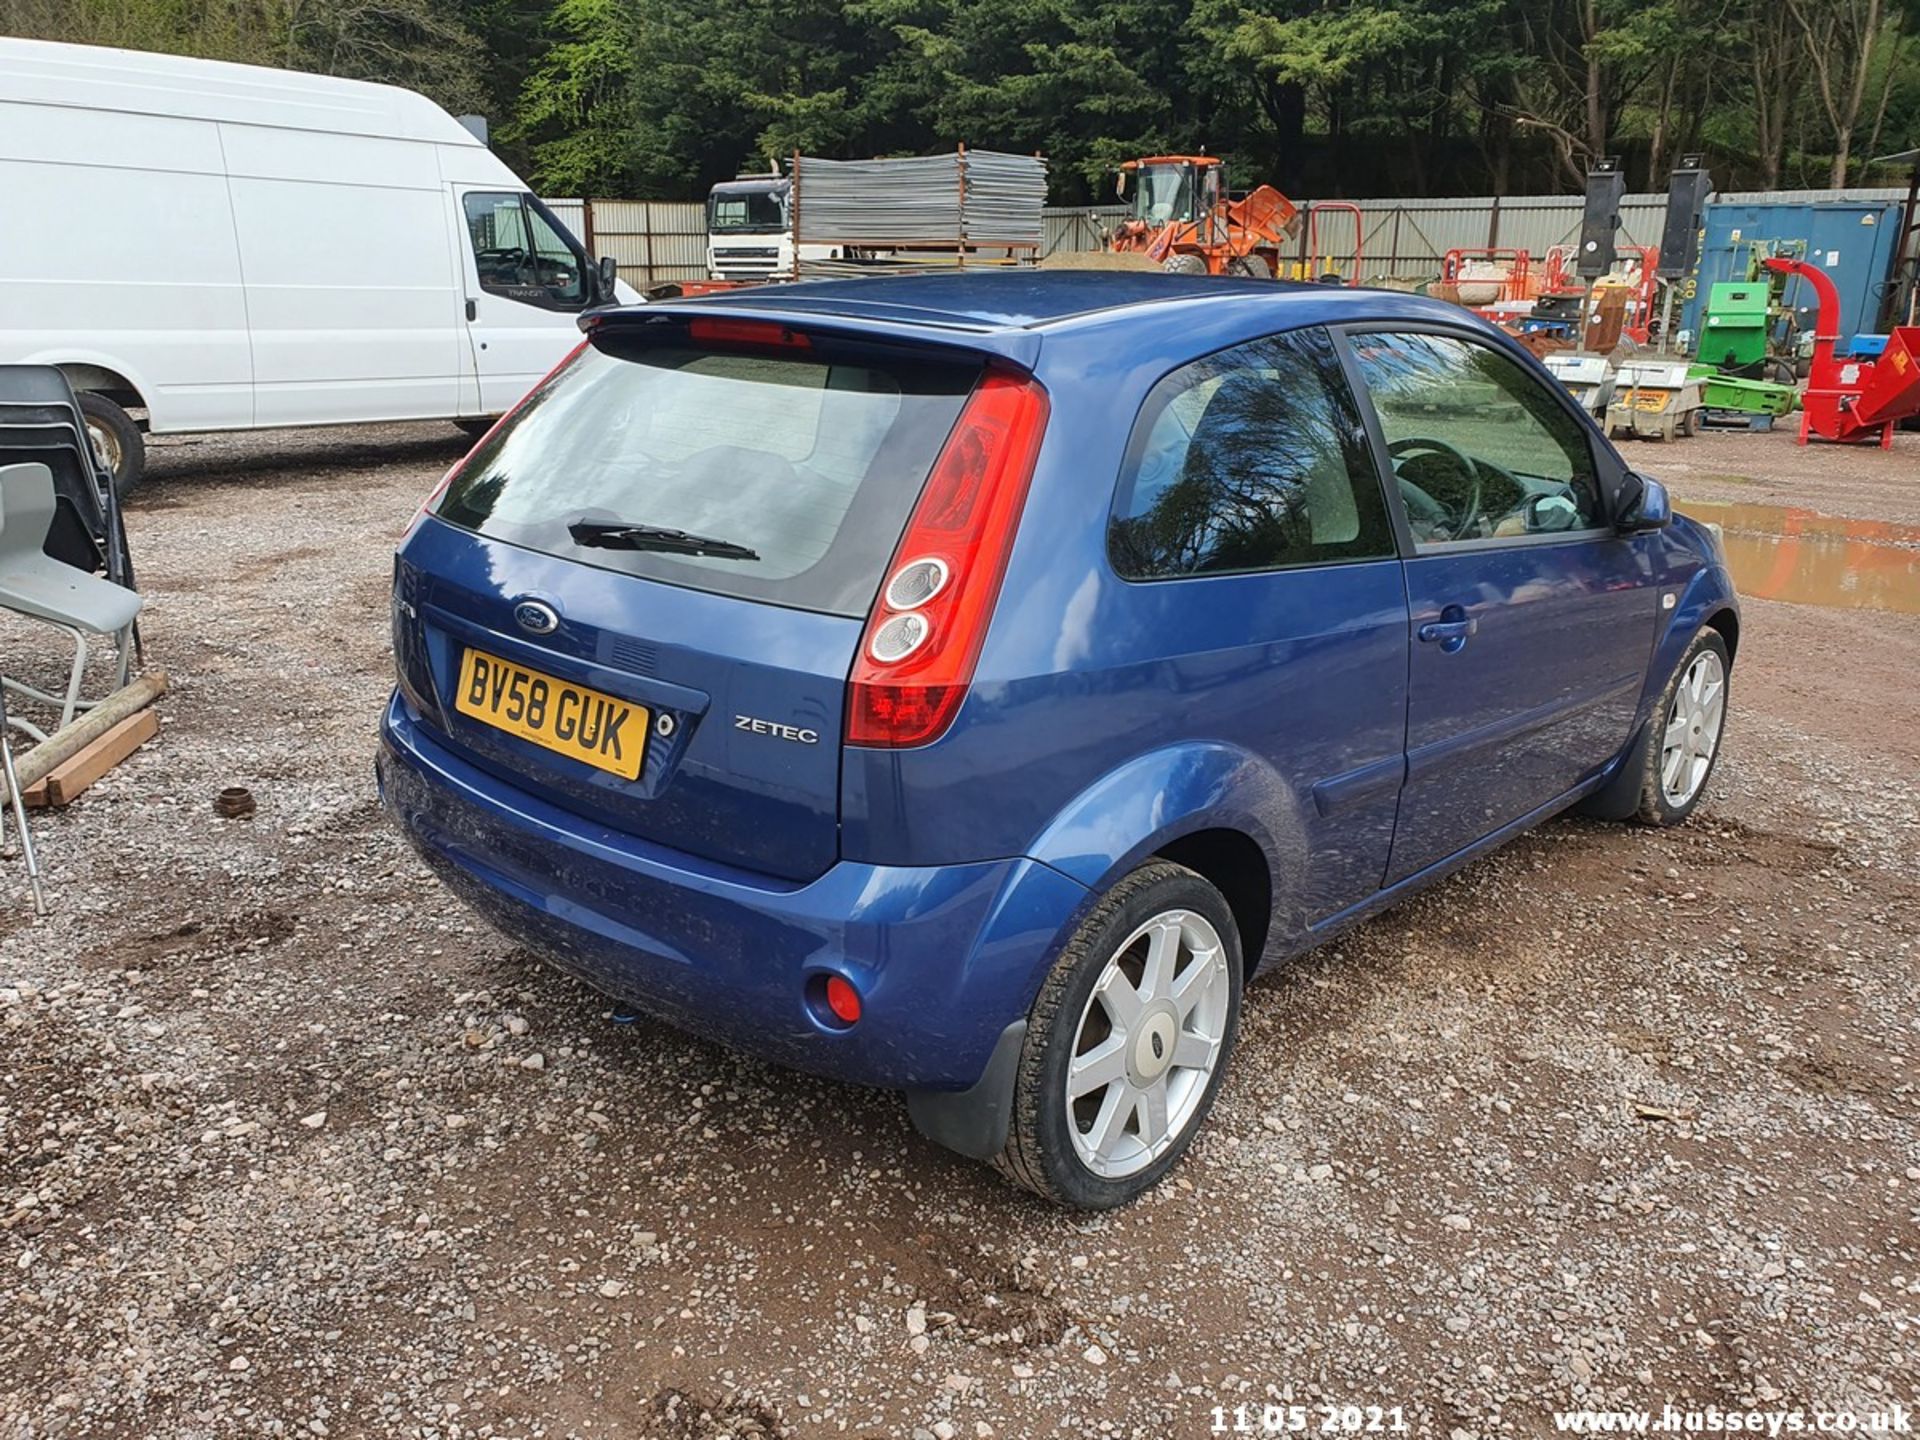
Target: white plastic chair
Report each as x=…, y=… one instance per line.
x=42, y=588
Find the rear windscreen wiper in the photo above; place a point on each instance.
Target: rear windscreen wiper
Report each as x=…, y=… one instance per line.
x=615, y=535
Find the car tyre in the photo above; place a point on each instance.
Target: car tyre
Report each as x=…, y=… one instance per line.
x=116, y=440
x=1115, y=1140
x=1684, y=733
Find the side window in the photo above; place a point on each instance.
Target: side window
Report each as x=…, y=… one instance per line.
x=1480, y=448
x=520, y=255
x=1250, y=459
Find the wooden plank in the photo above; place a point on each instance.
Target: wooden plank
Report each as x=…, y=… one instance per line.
x=64, y=784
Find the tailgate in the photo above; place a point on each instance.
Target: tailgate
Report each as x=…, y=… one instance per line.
x=735, y=708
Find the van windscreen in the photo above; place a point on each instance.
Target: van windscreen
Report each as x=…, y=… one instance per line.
x=778, y=475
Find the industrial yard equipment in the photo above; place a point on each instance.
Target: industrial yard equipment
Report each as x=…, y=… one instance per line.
x=1606, y=187
x=1183, y=218
x=1319, y=263
x=1623, y=303
x=1687, y=189
x=1484, y=276
x=1653, y=400
x=1850, y=397
x=1734, y=331
x=1588, y=378
x=1728, y=398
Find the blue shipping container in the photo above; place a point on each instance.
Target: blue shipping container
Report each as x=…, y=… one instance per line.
x=1852, y=240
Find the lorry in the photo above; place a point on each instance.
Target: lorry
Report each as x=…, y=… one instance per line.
x=207, y=246
x=750, y=230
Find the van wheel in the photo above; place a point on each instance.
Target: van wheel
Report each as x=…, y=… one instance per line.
x=116, y=440
x=474, y=429
x=1126, y=1042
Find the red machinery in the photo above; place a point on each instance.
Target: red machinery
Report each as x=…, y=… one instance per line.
x=1320, y=259
x=1850, y=399
x=1489, y=275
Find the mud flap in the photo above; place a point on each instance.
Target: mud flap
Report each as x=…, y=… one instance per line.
x=1619, y=798
x=974, y=1122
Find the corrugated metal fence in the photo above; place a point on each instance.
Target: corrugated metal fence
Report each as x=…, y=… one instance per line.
x=651, y=240
x=1404, y=240
x=1400, y=240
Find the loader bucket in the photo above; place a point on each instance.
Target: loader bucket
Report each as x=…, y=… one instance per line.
x=1266, y=213
x=1893, y=391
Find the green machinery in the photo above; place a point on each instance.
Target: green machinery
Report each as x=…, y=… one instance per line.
x=1741, y=337
x=1745, y=397
x=1734, y=329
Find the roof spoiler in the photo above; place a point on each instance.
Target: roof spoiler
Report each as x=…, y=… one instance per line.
x=876, y=322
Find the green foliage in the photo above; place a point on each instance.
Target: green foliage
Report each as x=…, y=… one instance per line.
x=1324, y=97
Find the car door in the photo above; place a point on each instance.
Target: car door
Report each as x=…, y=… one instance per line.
x=1267, y=601
x=526, y=283
x=1532, y=620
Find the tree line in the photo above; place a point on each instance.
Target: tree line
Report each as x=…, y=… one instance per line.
x=659, y=98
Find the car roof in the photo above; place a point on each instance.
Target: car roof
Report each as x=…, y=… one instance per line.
x=1034, y=299
x=1008, y=312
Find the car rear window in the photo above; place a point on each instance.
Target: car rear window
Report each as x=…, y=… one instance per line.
x=793, y=472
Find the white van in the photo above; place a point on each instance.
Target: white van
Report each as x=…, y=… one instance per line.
x=227, y=247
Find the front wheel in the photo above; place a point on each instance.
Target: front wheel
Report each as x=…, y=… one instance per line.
x=1126, y=1042
x=116, y=440
x=1185, y=263
x=1690, y=719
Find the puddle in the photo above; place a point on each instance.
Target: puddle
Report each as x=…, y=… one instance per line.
x=1781, y=554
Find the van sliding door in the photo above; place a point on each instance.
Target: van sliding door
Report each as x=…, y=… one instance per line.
x=350, y=288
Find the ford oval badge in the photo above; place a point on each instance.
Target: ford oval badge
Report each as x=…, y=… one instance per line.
x=536, y=617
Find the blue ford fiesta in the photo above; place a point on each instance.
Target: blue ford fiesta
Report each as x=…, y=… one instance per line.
x=962, y=684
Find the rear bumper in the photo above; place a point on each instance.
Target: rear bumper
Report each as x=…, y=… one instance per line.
x=944, y=957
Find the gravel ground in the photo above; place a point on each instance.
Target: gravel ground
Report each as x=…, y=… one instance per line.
x=290, y=1145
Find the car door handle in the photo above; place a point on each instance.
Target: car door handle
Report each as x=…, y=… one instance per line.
x=1450, y=632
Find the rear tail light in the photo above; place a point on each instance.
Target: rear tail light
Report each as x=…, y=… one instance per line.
x=453, y=471
x=923, y=638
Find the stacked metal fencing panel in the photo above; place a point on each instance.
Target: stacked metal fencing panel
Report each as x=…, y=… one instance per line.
x=968, y=200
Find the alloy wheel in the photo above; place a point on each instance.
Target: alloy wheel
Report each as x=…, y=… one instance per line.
x=1693, y=728
x=1148, y=1042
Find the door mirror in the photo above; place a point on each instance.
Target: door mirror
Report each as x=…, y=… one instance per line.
x=1644, y=505
x=1120, y=183
x=607, y=272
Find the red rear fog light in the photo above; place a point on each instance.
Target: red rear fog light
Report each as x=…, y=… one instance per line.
x=843, y=1000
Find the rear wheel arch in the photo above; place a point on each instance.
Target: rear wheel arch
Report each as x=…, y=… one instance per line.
x=1235, y=865
x=1221, y=811
x=103, y=380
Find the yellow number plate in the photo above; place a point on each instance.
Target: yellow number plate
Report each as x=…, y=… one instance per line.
x=585, y=725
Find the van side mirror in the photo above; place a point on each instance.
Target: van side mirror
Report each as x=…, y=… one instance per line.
x=607, y=271
x=1644, y=506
